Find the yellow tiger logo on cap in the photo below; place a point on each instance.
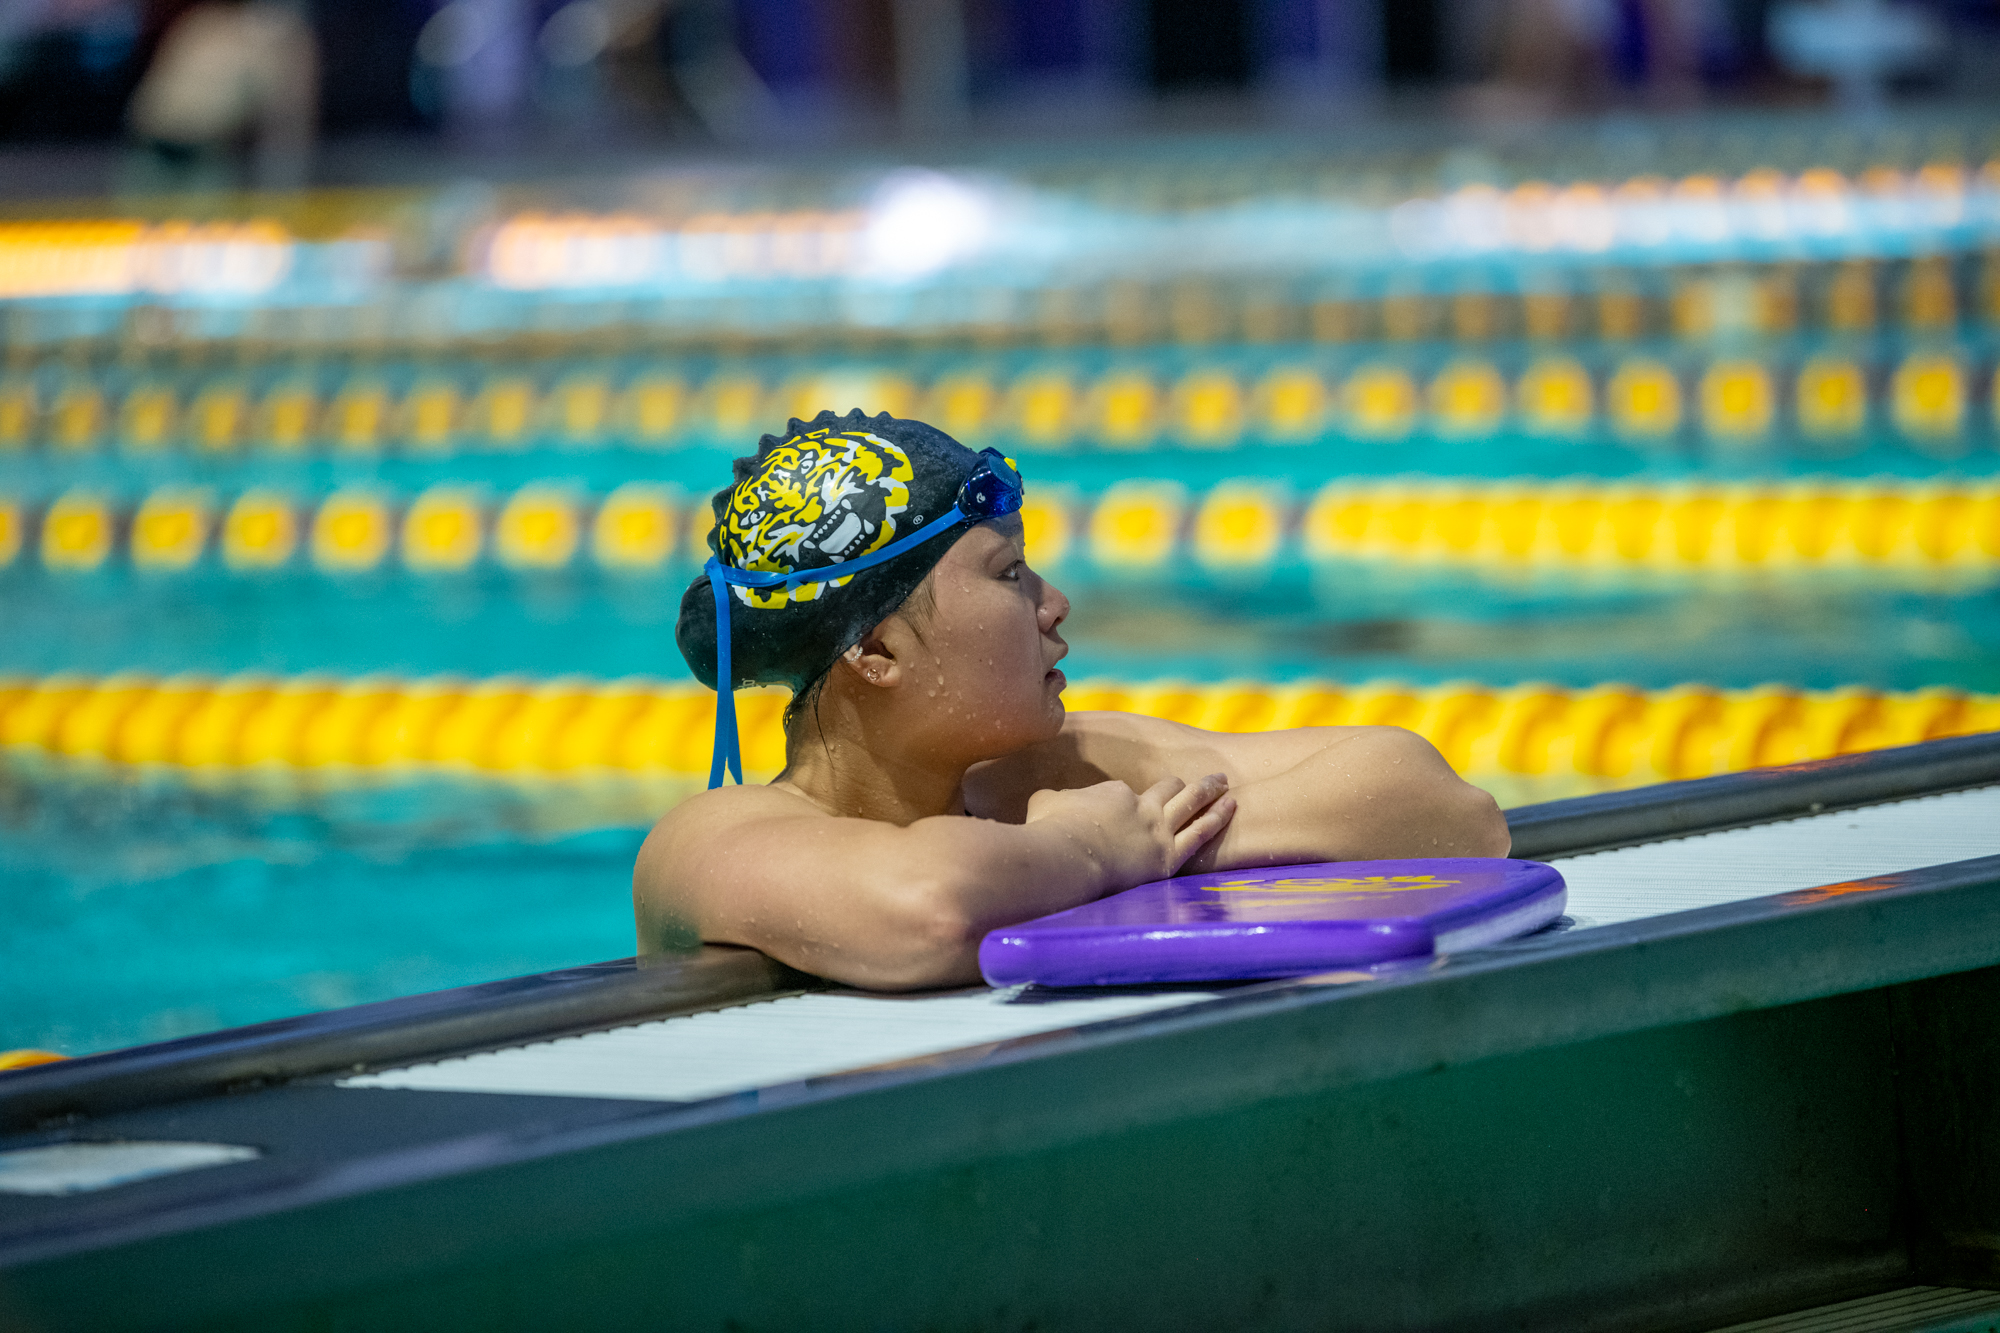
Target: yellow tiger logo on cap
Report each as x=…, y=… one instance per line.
x=835, y=495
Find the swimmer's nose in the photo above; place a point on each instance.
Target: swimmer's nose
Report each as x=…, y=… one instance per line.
x=1054, y=608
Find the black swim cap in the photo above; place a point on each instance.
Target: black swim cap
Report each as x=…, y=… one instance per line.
x=829, y=490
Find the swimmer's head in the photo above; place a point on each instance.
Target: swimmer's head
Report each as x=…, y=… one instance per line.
x=828, y=491
x=819, y=545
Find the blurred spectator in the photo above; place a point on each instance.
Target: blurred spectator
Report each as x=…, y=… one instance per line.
x=710, y=73
x=234, y=83
x=1553, y=55
x=472, y=66
x=66, y=67
x=652, y=66
x=1857, y=45
x=1550, y=57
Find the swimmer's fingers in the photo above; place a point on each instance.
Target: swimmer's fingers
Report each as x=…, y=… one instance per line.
x=1162, y=793
x=1204, y=829
x=1188, y=800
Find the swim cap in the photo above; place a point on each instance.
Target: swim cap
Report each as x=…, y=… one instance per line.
x=828, y=491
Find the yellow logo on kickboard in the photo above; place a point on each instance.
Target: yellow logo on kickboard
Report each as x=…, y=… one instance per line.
x=1360, y=884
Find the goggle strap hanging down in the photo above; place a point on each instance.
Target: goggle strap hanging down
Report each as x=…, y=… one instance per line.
x=728, y=751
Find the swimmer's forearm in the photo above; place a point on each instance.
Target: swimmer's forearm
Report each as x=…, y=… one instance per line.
x=984, y=874
x=866, y=903
x=1382, y=794
x=910, y=912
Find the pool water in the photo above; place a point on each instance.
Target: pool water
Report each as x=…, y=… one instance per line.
x=142, y=911
x=1358, y=623
x=1815, y=629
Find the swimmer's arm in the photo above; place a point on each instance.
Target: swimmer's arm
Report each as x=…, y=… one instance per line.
x=886, y=907
x=1307, y=794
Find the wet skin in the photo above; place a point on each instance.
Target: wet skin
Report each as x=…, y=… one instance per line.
x=940, y=790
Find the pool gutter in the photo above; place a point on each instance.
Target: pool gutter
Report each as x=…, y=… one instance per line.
x=373, y=1036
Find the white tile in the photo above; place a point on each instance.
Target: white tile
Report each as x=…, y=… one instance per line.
x=1712, y=868
x=76, y=1168
x=761, y=1045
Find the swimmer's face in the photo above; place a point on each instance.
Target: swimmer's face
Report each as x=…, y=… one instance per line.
x=984, y=665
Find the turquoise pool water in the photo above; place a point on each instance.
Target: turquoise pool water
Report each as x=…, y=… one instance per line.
x=139, y=912
x=1810, y=628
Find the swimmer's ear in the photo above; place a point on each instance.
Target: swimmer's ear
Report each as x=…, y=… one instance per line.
x=873, y=663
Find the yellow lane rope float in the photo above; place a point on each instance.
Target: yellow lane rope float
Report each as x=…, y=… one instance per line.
x=1136, y=526
x=24, y=1058
x=1803, y=524
x=1933, y=397
x=446, y=528
x=574, y=727
x=123, y=257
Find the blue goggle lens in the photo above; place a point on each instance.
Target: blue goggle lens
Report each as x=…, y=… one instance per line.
x=993, y=489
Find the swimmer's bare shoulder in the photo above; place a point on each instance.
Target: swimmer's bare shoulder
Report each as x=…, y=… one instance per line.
x=765, y=867
x=1138, y=750
x=1303, y=794
x=699, y=849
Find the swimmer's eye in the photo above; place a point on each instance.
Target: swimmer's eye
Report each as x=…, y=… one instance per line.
x=1013, y=572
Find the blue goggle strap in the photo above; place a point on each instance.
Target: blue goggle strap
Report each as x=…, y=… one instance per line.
x=728, y=749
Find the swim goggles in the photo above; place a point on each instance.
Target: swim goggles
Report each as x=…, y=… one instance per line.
x=993, y=490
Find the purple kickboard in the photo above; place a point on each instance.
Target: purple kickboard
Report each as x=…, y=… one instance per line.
x=1281, y=921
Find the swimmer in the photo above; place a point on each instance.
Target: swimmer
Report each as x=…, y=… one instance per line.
x=934, y=787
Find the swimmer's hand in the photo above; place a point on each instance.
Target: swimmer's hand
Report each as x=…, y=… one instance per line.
x=1135, y=837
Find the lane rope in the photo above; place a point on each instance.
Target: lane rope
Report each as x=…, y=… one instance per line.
x=575, y=727
x=1133, y=525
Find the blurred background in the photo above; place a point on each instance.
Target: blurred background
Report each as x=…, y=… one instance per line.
x=1603, y=388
